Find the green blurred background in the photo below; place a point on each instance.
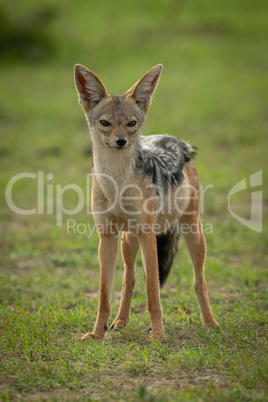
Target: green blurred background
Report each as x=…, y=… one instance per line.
x=212, y=93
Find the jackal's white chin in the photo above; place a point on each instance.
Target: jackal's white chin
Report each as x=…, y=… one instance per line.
x=121, y=148
x=117, y=147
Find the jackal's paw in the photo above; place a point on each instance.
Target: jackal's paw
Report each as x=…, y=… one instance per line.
x=156, y=335
x=212, y=324
x=96, y=337
x=118, y=324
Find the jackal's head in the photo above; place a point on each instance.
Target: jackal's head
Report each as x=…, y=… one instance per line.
x=115, y=120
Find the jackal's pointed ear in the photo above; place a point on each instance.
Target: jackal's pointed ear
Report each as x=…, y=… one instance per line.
x=89, y=87
x=143, y=90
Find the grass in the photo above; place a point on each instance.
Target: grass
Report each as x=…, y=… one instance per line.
x=213, y=93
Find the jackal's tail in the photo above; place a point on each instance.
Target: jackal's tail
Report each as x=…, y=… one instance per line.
x=167, y=245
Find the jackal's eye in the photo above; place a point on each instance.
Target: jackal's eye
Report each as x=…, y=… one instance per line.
x=105, y=123
x=132, y=123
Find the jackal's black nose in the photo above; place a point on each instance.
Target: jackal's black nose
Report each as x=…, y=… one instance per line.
x=121, y=142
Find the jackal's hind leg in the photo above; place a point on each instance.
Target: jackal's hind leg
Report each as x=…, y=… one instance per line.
x=148, y=247
x=129, y=247
x=196, y=243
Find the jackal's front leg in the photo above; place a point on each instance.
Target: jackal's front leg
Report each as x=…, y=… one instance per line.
x=107, y=255
x=148, y=247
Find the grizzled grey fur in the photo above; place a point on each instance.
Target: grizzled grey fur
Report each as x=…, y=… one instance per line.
x=162, y=158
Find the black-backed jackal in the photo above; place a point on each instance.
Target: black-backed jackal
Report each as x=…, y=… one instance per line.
x=145, y=187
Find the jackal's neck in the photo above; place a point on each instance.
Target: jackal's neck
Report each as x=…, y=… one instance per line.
x=117, y=163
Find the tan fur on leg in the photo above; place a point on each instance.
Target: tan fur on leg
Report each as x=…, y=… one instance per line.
x=196, y=244
x=107, y=255
x=129, y=248
x=149, y=256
